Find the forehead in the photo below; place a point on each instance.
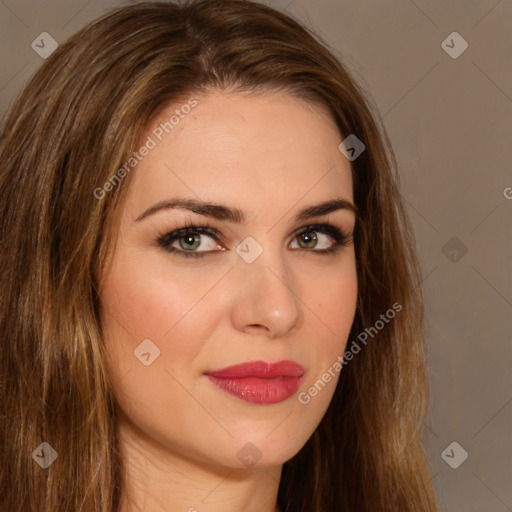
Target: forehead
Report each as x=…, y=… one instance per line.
x=260, y=149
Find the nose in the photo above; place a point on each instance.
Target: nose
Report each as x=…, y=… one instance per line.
x=266, y=301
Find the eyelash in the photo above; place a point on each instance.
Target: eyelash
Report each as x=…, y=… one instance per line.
x=341, y=239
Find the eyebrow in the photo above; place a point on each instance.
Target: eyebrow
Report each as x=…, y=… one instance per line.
x=235, y=215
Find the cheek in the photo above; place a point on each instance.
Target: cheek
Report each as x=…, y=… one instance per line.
x=147, y=300
x=174, y=311
x=335, y=306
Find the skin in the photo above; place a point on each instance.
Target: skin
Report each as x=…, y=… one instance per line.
x=269, y=155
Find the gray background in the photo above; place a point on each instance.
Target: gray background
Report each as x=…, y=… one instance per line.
x=450, y=121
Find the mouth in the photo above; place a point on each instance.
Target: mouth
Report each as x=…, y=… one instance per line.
x=259, y=382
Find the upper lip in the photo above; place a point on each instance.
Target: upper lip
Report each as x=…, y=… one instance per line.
x=259, y=369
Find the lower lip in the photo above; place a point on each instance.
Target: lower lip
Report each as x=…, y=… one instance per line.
x=259, y=391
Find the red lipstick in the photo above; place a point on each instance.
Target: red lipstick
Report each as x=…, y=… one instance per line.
x=259, y=382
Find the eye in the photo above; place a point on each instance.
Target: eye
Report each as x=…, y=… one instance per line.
x=310, y=240
x=186, y=241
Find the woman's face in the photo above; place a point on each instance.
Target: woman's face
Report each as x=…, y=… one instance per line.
x=256, y=290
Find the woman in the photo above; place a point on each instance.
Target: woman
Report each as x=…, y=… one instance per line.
x=211, y=297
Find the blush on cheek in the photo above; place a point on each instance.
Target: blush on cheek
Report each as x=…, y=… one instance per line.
x=144, y=308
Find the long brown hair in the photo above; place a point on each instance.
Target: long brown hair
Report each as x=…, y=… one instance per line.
x=74, y=125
